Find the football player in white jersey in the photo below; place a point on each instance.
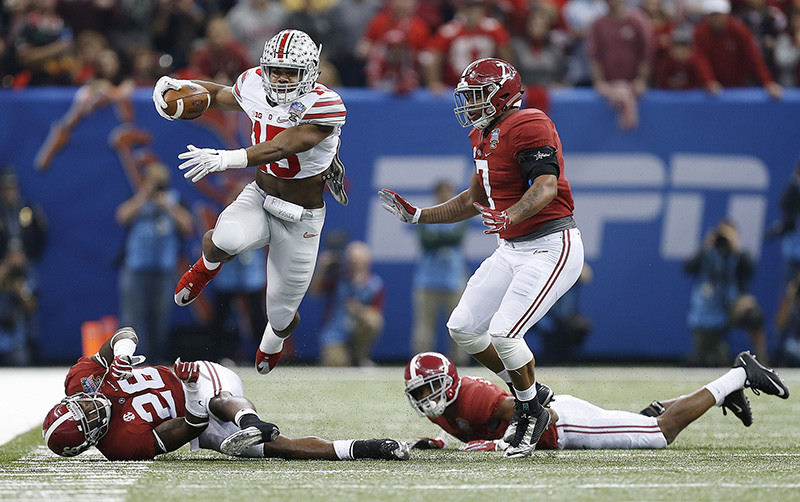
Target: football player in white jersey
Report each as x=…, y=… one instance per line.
x=296, y=124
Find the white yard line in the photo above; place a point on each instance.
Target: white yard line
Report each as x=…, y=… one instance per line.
x=26, y=394
x=88, y=477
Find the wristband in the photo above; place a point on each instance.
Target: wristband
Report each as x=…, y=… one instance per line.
x=124, y=347
x=233, y=159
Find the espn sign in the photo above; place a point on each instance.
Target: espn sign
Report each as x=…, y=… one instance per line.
x=608, y=188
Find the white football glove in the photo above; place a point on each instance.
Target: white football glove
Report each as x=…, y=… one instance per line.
x=201, y=161
x=398, y=206
x=165, y=83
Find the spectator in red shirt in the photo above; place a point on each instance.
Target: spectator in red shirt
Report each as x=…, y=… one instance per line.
x=469, y=36
x=729, y=49
x=222, y=58
x=391, y=45
x=679, y=68
x=620, y=50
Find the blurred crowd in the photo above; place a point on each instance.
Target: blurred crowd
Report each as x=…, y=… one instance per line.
x=621, y=47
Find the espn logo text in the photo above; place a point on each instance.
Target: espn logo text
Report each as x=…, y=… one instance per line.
x=631, y=188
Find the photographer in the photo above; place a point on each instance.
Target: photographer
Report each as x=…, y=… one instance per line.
x=17, y=304
x=156, y=223
x=719, y=299
x=788, y=324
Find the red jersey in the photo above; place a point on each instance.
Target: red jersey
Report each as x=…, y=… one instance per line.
x=495, y=154
x=139, y=404
x=732, y=54
x=461, y=45
x=478, y=399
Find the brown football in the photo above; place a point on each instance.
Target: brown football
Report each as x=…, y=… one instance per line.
x=188, y=102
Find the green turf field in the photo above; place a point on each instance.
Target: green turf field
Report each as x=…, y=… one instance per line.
x=716, y=458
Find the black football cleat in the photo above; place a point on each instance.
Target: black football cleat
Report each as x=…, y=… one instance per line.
x=530, y=426
x=381, y=449
x=656, y=409
x=759, y=377
x=739, y=405
x=544, y=394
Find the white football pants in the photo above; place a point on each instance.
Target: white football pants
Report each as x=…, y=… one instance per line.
x=293, y=247
x=515, y=287
x=582, y=425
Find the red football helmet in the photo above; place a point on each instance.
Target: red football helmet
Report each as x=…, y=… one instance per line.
x=487, y=88
x=433, y=371
x=76, y=423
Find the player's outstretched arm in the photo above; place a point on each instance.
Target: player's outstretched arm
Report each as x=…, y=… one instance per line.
x=221, y=96
x=459, y=208
x=198, y=162
x=286, y=143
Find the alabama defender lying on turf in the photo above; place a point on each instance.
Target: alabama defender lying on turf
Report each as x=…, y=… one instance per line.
x=477, y=412
x=136, y=413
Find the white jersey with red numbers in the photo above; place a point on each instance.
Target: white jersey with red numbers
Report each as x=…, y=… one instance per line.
x=321, y=106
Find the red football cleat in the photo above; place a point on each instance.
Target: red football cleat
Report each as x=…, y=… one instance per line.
x=267, y=362
x=193, y=282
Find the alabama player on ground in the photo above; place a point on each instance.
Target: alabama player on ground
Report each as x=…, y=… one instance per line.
x=477, y=411
x=136, y=413
x=296, y=126
x=521, y=192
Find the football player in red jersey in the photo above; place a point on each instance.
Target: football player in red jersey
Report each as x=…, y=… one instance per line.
x=132, y=412
x=477, y=412
x=521, y=191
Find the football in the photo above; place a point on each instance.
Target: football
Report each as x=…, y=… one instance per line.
x=188, y=102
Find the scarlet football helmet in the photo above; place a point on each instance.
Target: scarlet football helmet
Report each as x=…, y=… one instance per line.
x=76, y=423
x=295, y=50
x=436, y=372
x=487, y=88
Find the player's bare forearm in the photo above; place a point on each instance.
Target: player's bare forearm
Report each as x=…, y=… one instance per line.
x=459, y=208
x=221, y=96
x=539, y=194
x=287, y=142
x=176, y=433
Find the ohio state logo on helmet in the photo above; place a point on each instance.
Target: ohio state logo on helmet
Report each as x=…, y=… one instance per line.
x=432, y=383
x=76, y=423
x=487, y=88
x=293, y=50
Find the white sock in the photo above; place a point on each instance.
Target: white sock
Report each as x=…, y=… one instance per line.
x=727, y=383
x=504, y=376
x=526, y=395
x=210, y=265
x=270, y=342
x=344, y=448
x=241, y=413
